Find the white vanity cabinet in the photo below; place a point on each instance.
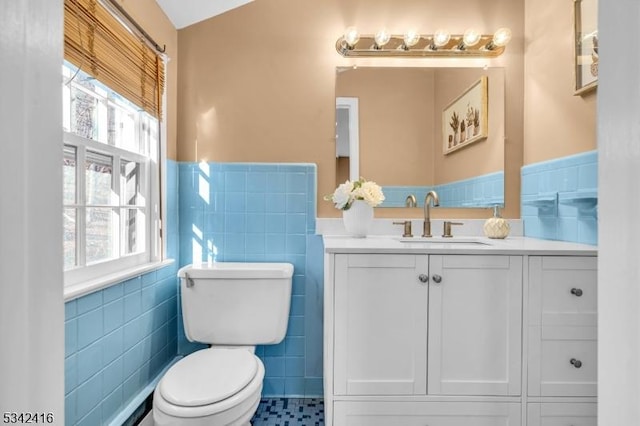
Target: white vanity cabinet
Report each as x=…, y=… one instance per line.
x=389, y=308
x=418, y=325
x=496, y=335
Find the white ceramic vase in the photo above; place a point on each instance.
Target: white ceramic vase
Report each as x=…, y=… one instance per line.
x=358, y=219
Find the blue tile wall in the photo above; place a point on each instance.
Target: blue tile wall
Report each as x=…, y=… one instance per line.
x=395, y=196
x=559, y=199
x=118, y=339
x=481, y=191
x=257, y=212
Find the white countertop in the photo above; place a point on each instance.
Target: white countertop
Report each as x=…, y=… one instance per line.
x=455, y=245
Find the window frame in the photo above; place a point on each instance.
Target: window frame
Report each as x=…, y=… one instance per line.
x=99, y=274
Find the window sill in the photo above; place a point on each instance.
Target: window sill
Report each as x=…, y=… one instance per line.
x=81, y=289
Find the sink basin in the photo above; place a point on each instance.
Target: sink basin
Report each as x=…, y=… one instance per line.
x=447, y=241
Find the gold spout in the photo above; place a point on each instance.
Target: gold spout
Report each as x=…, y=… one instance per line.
x=431, y=196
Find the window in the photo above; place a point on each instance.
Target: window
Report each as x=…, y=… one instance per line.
x=111, y=180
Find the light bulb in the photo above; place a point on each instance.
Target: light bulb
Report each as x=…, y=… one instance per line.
x=411, y=37
x=440, y=38
x=382, y=37
x=502, y=37
x=351, y=36
x=471, y=37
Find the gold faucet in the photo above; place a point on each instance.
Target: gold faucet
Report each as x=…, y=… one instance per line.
x=410, y=201
x=426, y=227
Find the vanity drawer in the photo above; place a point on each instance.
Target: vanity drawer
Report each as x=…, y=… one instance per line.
x=387, y=413
x=563, y=291
x=562, y=414
x=563, y=361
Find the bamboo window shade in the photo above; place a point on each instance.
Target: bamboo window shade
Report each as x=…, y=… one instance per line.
x=102, y=46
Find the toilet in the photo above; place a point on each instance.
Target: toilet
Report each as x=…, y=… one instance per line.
x=232, y=307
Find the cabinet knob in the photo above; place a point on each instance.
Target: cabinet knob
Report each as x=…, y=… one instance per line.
x=576, y=363
x=437, y=279
x=576, y=291
x=423, y=278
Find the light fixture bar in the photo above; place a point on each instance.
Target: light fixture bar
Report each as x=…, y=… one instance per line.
x=366, y=46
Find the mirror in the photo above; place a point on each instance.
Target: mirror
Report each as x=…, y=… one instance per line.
x=402, y=134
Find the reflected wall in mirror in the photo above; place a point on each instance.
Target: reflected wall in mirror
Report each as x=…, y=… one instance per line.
x=347, y=139
x=400, y=134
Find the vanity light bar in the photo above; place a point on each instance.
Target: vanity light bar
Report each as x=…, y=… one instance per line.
x=382, y=44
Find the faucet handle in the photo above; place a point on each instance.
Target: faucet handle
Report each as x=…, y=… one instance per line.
x=447, y=228
x=407, y=228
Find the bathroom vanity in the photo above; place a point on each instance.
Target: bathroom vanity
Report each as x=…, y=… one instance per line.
x=459, y=332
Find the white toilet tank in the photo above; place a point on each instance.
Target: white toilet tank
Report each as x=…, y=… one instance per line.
x=233, y=303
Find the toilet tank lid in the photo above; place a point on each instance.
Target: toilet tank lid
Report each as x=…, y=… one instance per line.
x=236, y=270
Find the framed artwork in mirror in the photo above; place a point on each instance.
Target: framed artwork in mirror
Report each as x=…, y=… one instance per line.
x=465, y=119
x=585, y=13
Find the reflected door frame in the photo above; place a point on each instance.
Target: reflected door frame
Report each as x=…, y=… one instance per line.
x=351, y=104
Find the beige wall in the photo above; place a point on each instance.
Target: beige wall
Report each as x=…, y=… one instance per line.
x=272, y=64
x=342, y=169
x=257, y=83
x=557, y=123
x=150, y=16
x=395, y=107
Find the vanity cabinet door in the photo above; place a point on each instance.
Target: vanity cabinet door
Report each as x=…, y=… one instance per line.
x=475, y=322
x=380, y=339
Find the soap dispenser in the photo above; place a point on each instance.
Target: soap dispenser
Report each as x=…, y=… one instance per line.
x=496, y=226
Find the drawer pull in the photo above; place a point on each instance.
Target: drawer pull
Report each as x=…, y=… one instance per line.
x=576, y=363
x=437, y=279
x=576, y=291
x=423, y=278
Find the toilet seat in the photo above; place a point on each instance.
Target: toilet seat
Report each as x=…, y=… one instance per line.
x=210, y=381
x=208, y=376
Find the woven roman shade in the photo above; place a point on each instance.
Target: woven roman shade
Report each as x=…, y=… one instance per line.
x=102, y=46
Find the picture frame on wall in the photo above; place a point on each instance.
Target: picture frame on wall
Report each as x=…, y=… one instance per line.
x=465, y=119
x=585, y=13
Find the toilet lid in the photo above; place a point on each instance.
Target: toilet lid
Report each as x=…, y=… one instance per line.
x=208, y=376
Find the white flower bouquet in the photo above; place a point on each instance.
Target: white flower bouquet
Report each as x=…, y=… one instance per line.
x=348, y=192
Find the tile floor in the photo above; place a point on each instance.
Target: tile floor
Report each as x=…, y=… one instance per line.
x=289, y=412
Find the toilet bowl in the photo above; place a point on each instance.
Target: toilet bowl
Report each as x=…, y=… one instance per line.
x=215, y=386
x=233, y=307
